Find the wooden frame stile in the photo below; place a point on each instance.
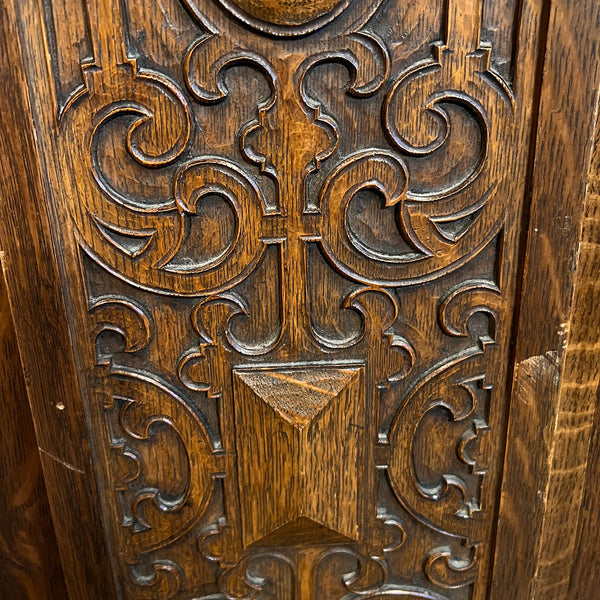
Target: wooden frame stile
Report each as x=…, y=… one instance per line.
x=555, y=373
x=35, y=295
x=552, y=409
x=583, y=344
x=31, y=567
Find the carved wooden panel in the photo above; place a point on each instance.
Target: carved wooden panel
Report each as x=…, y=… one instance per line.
x=289, y=235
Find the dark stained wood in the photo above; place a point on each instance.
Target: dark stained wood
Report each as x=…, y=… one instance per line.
x=30, y=567
x=42, y=334
x=555, y=377
x=283, y=246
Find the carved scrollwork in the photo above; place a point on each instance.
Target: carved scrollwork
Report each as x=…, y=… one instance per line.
x=142, y=407
x=140, y=410
x=160, y=580
x=466, y=299
x=111, y=219
x=210, y=176
x=368, y=572
x=125, y=317
x=214, y=235
x=364, y=55
x=229, y=241
x=381, y=171
x=209, y=58
x=244, y=577
x=379, y=310
x=265, y=140
x=437, y=229
x=142, y=233
x=446, y=505
x=363, y=574
x=209, y=325
x=246, y=580
x=446, y=570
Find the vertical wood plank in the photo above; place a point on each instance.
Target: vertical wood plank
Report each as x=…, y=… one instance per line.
x=545, y=460
x=35, y=295
x=30, y=568
x=584, y=387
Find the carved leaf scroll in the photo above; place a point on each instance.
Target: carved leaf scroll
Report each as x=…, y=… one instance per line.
x=452, y=386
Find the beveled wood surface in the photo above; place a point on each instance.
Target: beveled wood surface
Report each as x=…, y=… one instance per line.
x=281, y=251
x=30, y=567
x=584, y=376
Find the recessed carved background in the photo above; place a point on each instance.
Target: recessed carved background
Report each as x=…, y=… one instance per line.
x=296, y=249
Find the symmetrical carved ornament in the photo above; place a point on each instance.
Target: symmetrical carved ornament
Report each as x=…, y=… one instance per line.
x=269, y=422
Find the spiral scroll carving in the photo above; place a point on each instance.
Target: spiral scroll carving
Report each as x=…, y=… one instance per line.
x=294, y=236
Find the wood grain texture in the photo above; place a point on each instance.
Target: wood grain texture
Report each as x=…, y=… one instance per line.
x=582, y=386
x=555, y=378
x=30, y=567
x=289, y=241
x=577, y=403
x=42, y=333
x=300, y=443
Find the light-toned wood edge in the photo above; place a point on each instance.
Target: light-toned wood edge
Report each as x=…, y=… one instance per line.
x=576, y=406
x=553, y=391
x=584, y=347
x=41, y=326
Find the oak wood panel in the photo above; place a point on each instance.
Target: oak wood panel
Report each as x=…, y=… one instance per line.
x=164, y=400
x=584, y=381
x=311, y=241
x=553, y=394
x=30, y=567
x=577, y=403
x=289, y=246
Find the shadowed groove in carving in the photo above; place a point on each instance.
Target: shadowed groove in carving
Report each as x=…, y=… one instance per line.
x=441, y=221
x=130, y=241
